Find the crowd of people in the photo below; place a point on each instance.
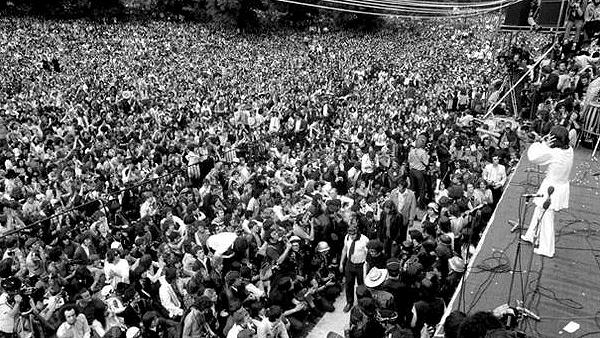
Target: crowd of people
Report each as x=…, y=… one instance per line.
x=165, y=180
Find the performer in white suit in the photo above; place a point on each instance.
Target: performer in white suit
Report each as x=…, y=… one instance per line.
x=556, y=153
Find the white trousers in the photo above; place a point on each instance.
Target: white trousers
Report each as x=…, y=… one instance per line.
x=543, y=239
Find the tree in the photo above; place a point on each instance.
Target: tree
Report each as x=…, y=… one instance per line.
x=364, y=22
x=235, y=13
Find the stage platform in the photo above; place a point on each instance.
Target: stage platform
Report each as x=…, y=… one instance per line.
x=559, y=290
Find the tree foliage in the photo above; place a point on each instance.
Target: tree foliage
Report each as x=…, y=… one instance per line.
x=70, y=8
x=235, y=13
x=240, y=14
x=362, y=22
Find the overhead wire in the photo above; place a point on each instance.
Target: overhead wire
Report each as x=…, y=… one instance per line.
x=416, y=9
x=443, y=4
x=412, y=9
x=364, y=4
x=453, y=14
x=419, y=4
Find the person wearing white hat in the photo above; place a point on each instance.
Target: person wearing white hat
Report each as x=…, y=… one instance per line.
x=456, y=267
x=374, y=281
x=133, y=332
x=375, y=277
x=221, y=243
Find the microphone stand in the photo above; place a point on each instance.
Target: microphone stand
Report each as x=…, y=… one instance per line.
x=536, y=244
x=524, y=202
x=523, y=205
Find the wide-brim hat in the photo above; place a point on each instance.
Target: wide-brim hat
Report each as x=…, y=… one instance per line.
x=375, y=277
x=132, y=332
x=433, y=206
x=456, y=264
x=322, y=246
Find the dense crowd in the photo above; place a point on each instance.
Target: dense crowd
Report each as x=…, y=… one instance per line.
x=165, y=180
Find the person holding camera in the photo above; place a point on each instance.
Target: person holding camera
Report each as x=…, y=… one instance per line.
x=575, y=18
x=10, y=304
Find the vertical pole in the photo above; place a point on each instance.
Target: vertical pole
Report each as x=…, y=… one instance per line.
x=560, y=18
x=496, y=35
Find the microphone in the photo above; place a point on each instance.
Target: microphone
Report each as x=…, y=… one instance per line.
x=528, y=313
x=533, y=170
x=515, y=225
x=547, y=201
x=532, y=195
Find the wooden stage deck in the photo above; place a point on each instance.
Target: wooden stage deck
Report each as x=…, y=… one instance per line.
x=559, y=290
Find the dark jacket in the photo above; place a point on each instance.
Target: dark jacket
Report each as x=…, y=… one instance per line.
x=397, y=228
x=81, y=256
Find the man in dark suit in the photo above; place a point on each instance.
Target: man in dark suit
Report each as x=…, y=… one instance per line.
x=391, y=230
x=85, y=250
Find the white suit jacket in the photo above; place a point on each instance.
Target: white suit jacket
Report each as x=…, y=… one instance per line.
x=559, y=162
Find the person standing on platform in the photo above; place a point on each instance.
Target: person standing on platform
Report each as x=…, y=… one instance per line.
x=556, y=153
x=495, y=175
x=352, y=263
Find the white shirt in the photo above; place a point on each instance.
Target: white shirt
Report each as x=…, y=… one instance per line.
x=360, y=249
x=353, y=174
x=366, y=164
x=182, y=227
x=495, y=173
x=254, y=290
x=79, y=329
x=401, y=198
x=274, y=124
x=86, y=249
x=168, y=298
x=263, y=327
x=116, y=273
x=234, y=331
x=7, y=322
x=380, y=139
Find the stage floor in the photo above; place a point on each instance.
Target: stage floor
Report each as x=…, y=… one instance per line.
x=559, y=290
